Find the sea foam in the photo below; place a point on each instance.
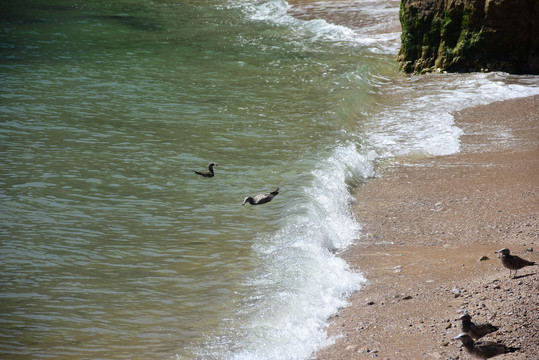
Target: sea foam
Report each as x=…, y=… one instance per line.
x=301, y=281
x=422, y=120
x=276, y=12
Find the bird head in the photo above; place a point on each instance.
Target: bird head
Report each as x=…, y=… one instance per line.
x=503, y=251
x=464, y=338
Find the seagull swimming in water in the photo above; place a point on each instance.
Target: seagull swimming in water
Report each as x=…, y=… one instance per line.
x=513, y=262
x=208, y=173
x=483, y=349
x=261, y=199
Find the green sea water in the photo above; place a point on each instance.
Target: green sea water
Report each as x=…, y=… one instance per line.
x=113, y=248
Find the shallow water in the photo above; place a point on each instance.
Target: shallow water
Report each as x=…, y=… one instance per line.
x=113, y=248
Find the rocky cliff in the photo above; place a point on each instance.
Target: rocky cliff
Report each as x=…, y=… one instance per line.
x=470, y=35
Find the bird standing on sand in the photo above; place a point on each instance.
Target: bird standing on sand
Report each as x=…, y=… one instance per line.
x=513, y=262
x=483, y=349
x=208, y=173
x=475, y=330
x=261, y=199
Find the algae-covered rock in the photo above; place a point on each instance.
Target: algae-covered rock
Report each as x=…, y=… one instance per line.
x=469, y=35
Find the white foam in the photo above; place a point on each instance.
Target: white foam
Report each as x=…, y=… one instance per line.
x=301, y=281
x=423, y=121
x=271, y=10
x=276, y=11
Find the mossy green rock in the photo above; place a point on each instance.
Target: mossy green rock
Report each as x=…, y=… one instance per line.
x=469, y=35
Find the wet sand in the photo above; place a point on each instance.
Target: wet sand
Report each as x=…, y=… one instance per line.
x=427, y=223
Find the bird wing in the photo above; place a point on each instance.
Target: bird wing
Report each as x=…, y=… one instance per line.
x=263, y=198
x=489, y=348
x=517, y=261
x=483, y=329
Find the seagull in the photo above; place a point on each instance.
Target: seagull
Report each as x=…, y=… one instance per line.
x=208, y=173
x=513, y=262
x=261, y=199
x=483, y=349
x=475, y=330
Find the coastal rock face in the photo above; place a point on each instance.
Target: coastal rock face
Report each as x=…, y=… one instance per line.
x=469, y=35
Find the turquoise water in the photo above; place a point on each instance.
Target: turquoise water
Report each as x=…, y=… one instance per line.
x=111, y=247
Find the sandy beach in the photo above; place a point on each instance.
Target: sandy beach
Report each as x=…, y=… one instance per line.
x=431, y=227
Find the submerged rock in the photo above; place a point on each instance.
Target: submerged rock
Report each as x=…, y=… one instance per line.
x=469, y=35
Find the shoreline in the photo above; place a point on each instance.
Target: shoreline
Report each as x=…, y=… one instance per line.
x=426, y=223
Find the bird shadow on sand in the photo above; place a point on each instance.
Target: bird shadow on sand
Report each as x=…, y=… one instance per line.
x=522, y=276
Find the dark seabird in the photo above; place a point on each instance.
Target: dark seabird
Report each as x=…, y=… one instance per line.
x=208, y=173
x=261, y=199
x=513, y=262
x=475, y=330
x=483, y=349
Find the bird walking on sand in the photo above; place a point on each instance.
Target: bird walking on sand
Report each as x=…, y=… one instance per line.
x=475, y=330
x=208, y=173
x=513, y=262
x=261, y=199
x=483, y=349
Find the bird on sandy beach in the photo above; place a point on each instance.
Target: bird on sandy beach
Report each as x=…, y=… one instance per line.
x=208, y=173
x=513, y=262
x=261, y=199
x=475, y=330
x=483, y=349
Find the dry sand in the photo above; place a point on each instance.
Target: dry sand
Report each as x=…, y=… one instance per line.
x=426, y=225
